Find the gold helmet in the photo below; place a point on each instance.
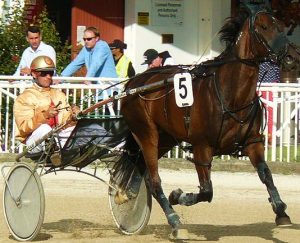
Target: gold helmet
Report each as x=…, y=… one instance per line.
x=42, y=63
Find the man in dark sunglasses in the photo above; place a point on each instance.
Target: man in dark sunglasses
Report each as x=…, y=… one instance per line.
x=95, y=55
x=40, y=108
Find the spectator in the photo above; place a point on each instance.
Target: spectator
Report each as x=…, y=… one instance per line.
x=155, y=59
x=95, y=55
x=40, y=108
x=269, y=73
x=124, y=66
x=37, y=48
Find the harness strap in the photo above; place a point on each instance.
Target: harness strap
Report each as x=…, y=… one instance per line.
x=187, y=118
x=241, y=143
x=249, y=119
x=167, y=86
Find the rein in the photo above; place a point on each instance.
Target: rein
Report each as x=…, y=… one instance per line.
x=157, y=98
x=247, y=61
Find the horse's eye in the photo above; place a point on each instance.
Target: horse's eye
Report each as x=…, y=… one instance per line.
x=264, y=27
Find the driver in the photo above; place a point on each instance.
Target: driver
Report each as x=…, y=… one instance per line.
x=40, y=108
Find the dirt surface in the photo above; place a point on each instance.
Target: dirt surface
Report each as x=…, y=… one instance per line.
x=77, y=210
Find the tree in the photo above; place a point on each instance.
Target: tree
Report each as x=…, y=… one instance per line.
x=13, y=41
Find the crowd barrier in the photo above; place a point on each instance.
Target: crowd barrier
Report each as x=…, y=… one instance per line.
x=282, y=101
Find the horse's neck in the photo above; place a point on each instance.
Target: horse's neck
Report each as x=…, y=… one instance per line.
x=238, y=82
x=244, y=74
x=244, y=47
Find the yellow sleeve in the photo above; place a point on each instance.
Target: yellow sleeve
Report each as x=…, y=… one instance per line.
x=28, y=117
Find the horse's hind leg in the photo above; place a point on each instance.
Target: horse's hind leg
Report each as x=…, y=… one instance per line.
x=202, y=160
x=255, y=152
x=148, y=142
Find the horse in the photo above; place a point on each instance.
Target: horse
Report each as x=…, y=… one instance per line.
x=225, y=117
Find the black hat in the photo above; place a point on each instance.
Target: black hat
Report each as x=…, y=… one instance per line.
x=149, y=56
x=117, y=44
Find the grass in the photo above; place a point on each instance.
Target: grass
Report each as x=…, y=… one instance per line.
x=293, y=150
x=230, y=165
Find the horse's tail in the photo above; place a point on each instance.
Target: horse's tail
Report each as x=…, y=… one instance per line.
x=130, y=164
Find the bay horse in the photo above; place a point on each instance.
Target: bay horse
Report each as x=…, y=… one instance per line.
x=225, y=117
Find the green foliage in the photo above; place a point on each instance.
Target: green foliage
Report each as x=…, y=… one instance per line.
x=13, y=39
x=51, y=37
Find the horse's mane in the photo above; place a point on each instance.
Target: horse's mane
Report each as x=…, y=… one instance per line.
x=232, y=27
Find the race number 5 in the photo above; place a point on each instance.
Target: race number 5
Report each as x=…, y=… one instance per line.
x=183, y=89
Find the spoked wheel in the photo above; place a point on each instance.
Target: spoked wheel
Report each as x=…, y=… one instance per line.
x=132, y=216
x=23, y=202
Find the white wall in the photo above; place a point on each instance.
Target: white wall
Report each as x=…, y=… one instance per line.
x=1, y=10
x=202, y=19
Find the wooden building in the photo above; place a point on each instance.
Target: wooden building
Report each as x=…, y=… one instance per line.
x=73, y=16
x=137, y=22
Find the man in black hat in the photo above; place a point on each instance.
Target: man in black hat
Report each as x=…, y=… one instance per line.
x=124, y=66
x=155, y=59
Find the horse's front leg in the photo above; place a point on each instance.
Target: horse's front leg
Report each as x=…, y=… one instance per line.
x=256, y=155
x=202, y=160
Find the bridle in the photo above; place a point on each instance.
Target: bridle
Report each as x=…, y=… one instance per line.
x=278, y=46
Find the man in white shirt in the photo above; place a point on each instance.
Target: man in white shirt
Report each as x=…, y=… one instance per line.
x=155, y=59
x=36, y=48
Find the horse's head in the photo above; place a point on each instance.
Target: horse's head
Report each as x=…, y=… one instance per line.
x=269, y=37
x=254, y=34
x=271, y=40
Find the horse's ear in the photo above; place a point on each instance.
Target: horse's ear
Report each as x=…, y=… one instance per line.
x=253, y=8
x=268, y=6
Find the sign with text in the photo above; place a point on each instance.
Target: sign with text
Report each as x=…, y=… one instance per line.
x=167, y=12
x=80, y=33
x=183, y=89
x=143, y=18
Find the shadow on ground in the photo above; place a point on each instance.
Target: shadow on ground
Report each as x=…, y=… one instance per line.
x=198, y=232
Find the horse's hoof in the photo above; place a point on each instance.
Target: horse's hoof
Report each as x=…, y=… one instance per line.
x=174, y=196
x=179, y=234
x=284, y=221
x=120, y=198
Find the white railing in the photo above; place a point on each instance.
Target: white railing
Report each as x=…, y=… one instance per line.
x=282, y=136
x=76, y=92
x=282, y=144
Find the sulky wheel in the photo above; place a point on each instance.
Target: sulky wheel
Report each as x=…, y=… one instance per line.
x=132, y=216
x=23, y=202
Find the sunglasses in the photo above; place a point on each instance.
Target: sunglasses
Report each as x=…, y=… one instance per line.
x=89, y=38
x=45, y=73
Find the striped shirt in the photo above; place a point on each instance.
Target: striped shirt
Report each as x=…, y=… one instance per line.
x=268, y=73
